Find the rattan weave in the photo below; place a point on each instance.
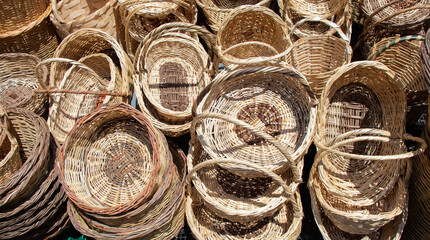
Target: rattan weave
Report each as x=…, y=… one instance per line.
x=10, y=161
x=425, y=59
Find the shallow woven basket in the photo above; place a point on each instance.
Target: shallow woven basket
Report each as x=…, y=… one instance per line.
x=161, y=217
x=274, y=102
x=91, y=83
x=217, y=10
x=171, y=70
x=318, y=57
x=252, y=35
x=402, y=55
x=71, y=15
x=18, y=81
x=234, y=197
x=205, y=224
x=37, y=37
x=10, y=161
x=141, y=17
x=425, y=59
x=361, y=95
x=89, y=41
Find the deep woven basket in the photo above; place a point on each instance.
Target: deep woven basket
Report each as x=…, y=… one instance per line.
x=71, y=15
x=243, y=104
x=402, y=55
x=318, y=57
x=95, y=74
x=18, y=81
x=252, y=35
x=217, y=10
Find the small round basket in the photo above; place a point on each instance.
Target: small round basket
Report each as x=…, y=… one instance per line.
x=318, y=57
x=217, y=10
x=252, y=35
x=71, y=15
x=18, y=81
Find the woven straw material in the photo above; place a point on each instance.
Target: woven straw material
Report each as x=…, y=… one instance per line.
x=402, y=55
x=217, y=10
x=318, y=57
x=96, y=73
x=18, y=81
x=237, y=198
x=324, y=8
x=265, y=115
x=37, y=38
x=10, y=161
x=141, y=17
x=171, y=70
x=89, y=41
x=71, y=15
x=251, y=35
x=205, y=224
x=16, y=15
x=425, y=59
x=361, y=95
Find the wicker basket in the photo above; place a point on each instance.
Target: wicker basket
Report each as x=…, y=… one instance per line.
x=171, y=70
x=274, y=102
x=89, y=41
x=91, y=83
x=318, y=57
x=10, y=161
x=37, y=38
x=217, y=10
x=205, y=224
x=237, y=198
x=402, y=55
x=252, y=35
x=425, y=59
x=71, y=15
x=141, y=17
x=18, y=81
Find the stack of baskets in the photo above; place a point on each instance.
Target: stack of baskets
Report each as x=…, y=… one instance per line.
x=18, y=82
x=25, y=27
x=32, y=203
x=358, y=182
x=121, y=178
x=172, y=68
x=252, y=129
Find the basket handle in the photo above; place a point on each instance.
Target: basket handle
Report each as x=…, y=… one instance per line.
x=252, y=129
x=394, y=42
x=275, y=177
x=363, y=37
x=48, y=89
x=370, y=135
x=320, y=20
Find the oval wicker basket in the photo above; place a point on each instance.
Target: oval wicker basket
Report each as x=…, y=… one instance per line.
x=18, y=81
x=171, y=70
x=205, y=224
x=402, y=55
x=237, y=198
x=252, y=35
x=71, y=15
x=274, y=102
x=318, y=57
x=217, y=10
x=91, y=83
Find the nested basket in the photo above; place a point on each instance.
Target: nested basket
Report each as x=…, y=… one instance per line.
x=234, y=197
x=318, y=57
x=18, y=82
x=171, y=70
x=205, y=224
x=160, y=217
x=141, y=17
x=217, y=10
x=243, y=104
x=252, y=35
x=92, y=82
x=361, y=95
x=402, y=55
x=10, y=160
x=37, y=37
x=71, y=15
x=425, y=58
x=89, y=41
